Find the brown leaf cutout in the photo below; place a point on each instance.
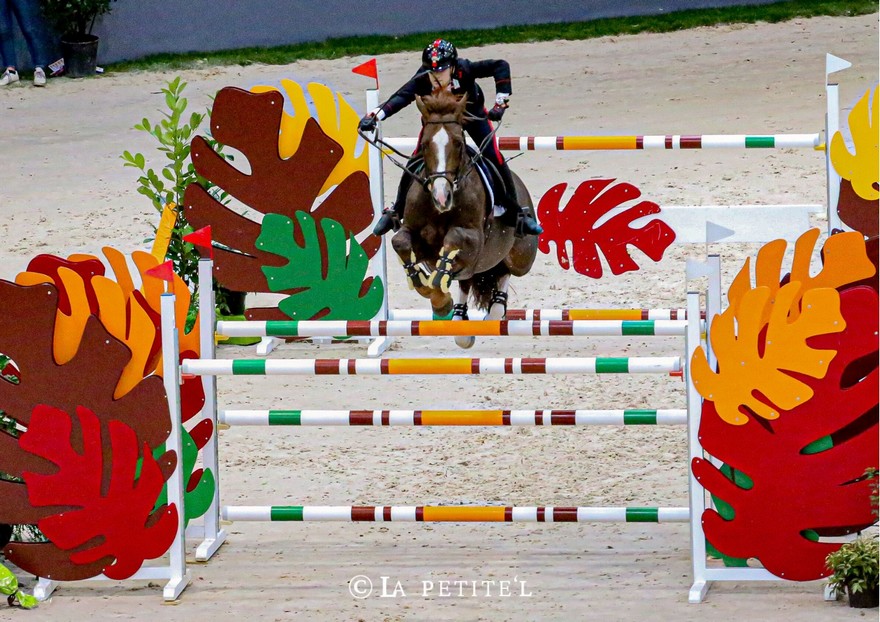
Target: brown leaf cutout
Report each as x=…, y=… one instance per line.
x=750, y=368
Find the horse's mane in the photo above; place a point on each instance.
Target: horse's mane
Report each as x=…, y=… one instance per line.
x=441, y=102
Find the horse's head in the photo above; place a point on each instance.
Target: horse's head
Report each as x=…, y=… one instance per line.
x=443, y=144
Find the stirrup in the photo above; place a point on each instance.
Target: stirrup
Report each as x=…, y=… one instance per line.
x=460, y=310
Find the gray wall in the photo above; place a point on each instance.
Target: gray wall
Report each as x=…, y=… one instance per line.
x=137, y=28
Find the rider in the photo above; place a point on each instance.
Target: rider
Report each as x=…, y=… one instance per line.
x=443, y=69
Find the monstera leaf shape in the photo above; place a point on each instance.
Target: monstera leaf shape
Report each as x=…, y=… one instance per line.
x=861, y=168
x=321, y=289
x=87, y=380
x=577, y=223
x=859, y=195
x=337, y=118
x=800, y=487
x=748, y=363
x=844, y=261
x=97, y=520
x=250, y=123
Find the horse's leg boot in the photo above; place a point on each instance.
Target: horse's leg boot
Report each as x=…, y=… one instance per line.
x=414, y=276
x=441, y=277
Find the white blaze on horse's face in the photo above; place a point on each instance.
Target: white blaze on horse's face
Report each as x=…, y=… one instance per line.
x=440, y=187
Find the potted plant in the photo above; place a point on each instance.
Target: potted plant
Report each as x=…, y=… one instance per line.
x=74, y=20
x=854, y=571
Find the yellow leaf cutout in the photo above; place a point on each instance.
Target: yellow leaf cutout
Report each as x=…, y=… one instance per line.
x=335, y=116
x=845, y=261
x=744, y=371
x=862, y=168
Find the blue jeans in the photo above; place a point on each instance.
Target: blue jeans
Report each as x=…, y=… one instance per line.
x=33, y=27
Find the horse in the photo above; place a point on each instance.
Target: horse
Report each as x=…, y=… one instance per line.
x=448, y=231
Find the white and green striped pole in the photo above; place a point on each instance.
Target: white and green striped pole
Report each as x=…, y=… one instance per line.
x=433, y=366
x=619, y=417
x=454, y=514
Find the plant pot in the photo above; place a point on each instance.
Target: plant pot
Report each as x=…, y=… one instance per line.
x=866, y=599
x=80, y=55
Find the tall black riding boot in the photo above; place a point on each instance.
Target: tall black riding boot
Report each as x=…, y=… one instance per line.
x=392, y=216
x=525, y=223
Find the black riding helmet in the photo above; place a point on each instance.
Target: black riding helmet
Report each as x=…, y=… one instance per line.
x=439, y=55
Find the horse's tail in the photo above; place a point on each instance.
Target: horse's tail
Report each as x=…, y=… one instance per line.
x=483, y=285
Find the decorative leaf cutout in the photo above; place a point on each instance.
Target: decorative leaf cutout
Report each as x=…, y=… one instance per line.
x=250, y=123
x=861, y=168
x=844, y=261
x=119, y=523
x=87, y=380
x=199, y=484
x=322, y=289
x=800, y=486
x=577, y=223
x=748, y=364
x=335, y=116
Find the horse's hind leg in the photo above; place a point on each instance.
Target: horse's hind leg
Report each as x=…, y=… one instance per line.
x=498, y=306
x=460, y=312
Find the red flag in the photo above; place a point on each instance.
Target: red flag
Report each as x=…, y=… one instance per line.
x=201, y=237
x=368, y=69
x=164, y=271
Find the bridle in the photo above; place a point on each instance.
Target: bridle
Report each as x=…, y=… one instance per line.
x=453, y=177
x=426, y=181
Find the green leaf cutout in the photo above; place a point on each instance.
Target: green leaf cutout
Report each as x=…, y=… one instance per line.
x=328, y=278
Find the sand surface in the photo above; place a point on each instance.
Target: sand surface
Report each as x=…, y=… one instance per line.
x=64, y=190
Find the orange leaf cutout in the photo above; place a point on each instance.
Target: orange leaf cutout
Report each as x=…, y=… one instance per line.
x=845, y=261
x=744, y=368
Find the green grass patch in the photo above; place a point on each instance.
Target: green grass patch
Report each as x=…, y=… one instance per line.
x=375, y=45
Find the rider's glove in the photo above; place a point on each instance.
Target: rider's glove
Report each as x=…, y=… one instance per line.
x=368, y=123
x=500, y=106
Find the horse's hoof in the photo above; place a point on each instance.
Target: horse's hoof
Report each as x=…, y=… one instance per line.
x=465, y=342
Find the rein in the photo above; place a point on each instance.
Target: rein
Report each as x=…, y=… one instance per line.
x=425, y=181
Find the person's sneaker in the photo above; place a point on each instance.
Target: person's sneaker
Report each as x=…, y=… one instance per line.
x=39, y=77
x=9, y=76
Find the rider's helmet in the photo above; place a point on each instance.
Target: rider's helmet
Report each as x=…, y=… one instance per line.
x=439, y=55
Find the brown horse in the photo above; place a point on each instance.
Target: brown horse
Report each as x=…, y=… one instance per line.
x=447, y=231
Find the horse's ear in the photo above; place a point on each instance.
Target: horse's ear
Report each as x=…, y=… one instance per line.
x=421, y=106
x=462, y=104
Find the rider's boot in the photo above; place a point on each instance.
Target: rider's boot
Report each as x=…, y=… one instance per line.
x=392, y=216
x=387, y=221
x=518, y=215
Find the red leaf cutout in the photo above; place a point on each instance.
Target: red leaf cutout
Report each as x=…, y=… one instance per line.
x=793, y=491
x=577, y=223
x=120, y=524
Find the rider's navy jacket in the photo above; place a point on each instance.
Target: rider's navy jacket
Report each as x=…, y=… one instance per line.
x=463, y=81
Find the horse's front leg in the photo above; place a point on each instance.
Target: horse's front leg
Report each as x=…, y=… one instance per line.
x=441, y=301
x=402, y=245
x=457, y=257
